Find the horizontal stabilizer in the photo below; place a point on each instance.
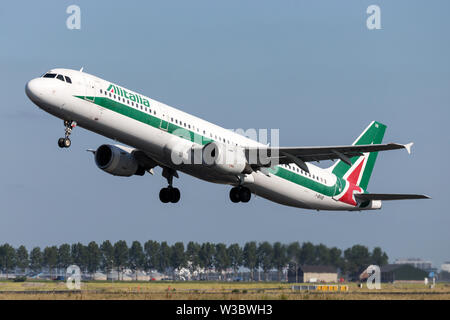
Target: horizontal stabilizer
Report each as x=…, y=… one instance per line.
x=388, y=196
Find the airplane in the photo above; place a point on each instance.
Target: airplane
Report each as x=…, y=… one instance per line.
x=156, y=134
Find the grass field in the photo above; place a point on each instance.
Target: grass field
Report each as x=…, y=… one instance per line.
x=94, y=290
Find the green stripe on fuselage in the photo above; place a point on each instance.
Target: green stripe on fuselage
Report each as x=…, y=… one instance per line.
x=189, y=135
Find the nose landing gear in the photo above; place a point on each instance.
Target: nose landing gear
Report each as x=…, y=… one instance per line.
x=65, y=142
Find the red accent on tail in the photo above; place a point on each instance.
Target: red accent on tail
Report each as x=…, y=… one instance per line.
x=352, y=180
x=354, y=176
x=348, y=196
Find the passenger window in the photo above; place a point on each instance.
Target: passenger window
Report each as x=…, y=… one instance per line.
x=100, y=89
x=70, y=81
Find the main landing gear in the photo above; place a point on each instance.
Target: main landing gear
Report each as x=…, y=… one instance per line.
x=169, y=194
x=240, y=194
x=65, y=142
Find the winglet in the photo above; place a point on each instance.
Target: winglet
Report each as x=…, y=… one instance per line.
x=408, y=147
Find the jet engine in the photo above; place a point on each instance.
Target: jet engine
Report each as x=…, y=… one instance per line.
x=117, y=160
x=225, y=158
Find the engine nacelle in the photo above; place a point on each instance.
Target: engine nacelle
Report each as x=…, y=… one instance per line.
x=371, y=205
x=225, y=158
x=117, y=160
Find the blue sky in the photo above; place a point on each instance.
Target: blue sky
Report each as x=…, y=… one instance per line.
x=310, y=68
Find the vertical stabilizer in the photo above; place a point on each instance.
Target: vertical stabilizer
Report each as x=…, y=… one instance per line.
x=362, y=166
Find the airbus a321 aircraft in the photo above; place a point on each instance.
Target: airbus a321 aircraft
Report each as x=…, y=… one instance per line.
x=160, y=135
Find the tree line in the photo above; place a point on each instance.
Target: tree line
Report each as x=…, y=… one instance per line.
x=164, y=258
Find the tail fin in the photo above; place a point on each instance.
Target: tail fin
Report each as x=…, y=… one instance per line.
x=360, y=171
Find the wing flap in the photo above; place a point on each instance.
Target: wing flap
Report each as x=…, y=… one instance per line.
x=285, y=155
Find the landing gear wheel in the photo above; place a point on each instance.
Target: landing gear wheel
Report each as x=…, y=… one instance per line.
x=234, y=195
x=174, y=195
x=169, y=195
x=61, y=142
x=240, y=194
x=67, y=143
x=245, y=194
x=164, y=195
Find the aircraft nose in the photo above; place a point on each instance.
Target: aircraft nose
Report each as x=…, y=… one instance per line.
x=33, y=89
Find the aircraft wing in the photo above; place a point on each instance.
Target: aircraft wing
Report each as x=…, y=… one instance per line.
x=300, y=155
x=388, y=196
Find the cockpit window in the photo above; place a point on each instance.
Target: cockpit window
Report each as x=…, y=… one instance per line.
x=57, y=76
x=49, y=75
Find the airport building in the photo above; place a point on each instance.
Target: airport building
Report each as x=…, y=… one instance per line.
x=415, y=262
x=313, y=274
x=402, y=273
x=446, y=266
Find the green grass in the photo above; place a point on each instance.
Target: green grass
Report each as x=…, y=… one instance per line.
x=199, y=290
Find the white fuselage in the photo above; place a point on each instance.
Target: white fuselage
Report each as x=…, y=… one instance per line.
x=133, y=123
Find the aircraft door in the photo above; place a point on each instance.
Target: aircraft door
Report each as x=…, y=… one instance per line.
x=164, y=124
x=91, y=88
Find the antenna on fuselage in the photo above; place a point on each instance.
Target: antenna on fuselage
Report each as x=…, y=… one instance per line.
x=81, y=70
